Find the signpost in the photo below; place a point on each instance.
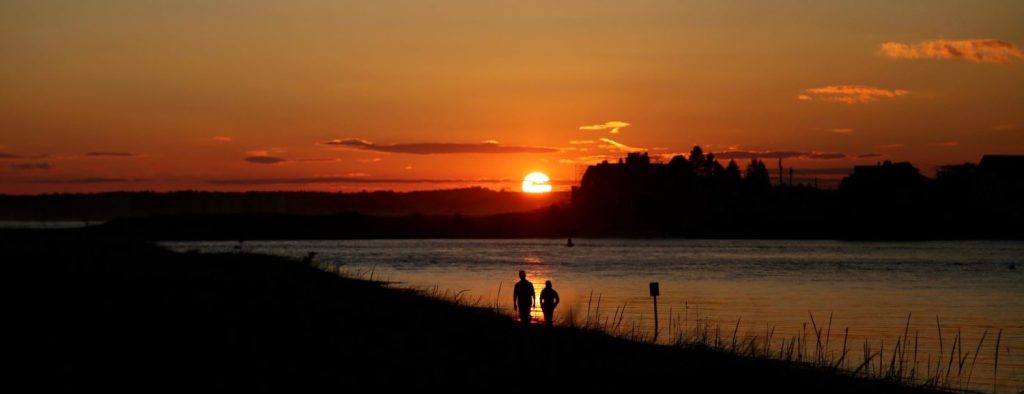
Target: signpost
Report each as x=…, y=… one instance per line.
x=655, y=292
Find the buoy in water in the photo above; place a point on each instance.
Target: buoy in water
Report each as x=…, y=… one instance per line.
x=569, y=243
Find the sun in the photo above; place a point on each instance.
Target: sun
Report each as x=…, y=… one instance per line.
x=536, y=182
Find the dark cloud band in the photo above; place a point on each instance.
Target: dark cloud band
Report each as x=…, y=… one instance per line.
x=431, y=148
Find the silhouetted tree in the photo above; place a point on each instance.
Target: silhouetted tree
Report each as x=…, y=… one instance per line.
x=757, y=174
x=711, y=167
x=732, y=171
x=697, y=160
x=678, y=161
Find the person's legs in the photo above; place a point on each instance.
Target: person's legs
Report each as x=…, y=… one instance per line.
x=524, y=314
x=549, y=314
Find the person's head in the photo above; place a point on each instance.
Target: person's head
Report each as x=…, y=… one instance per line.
x=547, y=284
x=522, y=275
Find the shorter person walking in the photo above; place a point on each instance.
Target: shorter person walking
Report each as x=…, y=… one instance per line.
x=548, y=301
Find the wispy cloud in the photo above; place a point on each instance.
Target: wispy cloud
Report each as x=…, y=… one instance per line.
x=891, y=146
x=429, y=148
x=748, y=154
x=90, y=180
x=354, y=178
x=9, y=155
x=824, y=156
x=612, y=126
x=265, y=159
x=843, y=130
x=582, y=142
x=223, y=138
x=866, y=155
x=109, y=154
x=850, y=94
x=986, y=50
x=612, y=144
x=593, y=159
x=1006, y=127
x=31, y=166
x=949, y=144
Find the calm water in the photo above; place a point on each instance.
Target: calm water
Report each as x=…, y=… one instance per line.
x=868, y=287
x=35, y=224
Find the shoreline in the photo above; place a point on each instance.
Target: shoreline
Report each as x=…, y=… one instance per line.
x=161, y=319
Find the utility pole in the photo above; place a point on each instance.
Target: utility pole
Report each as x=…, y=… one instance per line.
x=781, y=178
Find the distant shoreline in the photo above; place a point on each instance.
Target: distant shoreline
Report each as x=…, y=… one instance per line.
x=553, y=223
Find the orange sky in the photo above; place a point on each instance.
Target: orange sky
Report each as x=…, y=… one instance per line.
x=332, y=95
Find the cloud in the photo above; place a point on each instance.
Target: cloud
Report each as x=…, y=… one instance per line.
x=314, y=160
x=850, y=94
x=890, y=146
x=581, y=142
x=223, y=139
x=824, y=156
x=438, y=147
x=949, y=143
x=110, y=154
x=9, y=155
x=31, y=166
x=866, y=155
x=613, y=126
x=588, y=159
x=1006, y=127
x=973, y=50
x=747, y=154
x=90, y=180
x=841, y=130
x=357, y=178
x=265, y=159
x=612, y=144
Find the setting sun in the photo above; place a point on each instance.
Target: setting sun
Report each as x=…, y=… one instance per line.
x=536, y=182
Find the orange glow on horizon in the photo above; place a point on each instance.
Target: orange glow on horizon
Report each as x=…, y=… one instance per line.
x=326, y=96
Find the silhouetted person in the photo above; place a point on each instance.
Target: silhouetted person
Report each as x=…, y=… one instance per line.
x=523, y=298
x=548, y=301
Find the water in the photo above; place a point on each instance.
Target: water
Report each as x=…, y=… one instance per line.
x=867, y=287
x=36, y=224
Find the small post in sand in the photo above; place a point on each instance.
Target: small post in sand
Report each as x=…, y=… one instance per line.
x=655, y=292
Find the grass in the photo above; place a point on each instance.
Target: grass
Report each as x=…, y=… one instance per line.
x=111, y=315
x=901, y=365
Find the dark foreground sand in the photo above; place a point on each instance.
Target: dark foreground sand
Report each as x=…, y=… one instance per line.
x=109, y=314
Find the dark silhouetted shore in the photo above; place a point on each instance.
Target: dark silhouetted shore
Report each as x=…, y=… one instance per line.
x=109, y=314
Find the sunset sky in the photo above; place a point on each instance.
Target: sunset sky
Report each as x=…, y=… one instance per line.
x=347, y=96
